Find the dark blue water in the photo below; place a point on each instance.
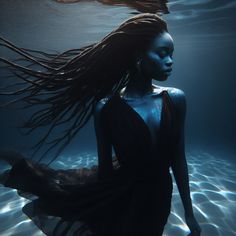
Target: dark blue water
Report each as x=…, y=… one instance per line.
x=204, y=68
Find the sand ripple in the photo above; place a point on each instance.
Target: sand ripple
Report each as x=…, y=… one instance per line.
x=213, y=191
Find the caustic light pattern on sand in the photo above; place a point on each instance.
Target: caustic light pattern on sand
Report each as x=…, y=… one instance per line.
x=213, y=191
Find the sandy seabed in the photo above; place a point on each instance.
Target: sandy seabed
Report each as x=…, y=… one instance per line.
x=213, y=191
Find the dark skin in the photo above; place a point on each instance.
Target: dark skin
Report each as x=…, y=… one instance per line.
x=154, y=63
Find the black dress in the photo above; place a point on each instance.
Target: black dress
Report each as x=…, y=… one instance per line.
x=136, y=201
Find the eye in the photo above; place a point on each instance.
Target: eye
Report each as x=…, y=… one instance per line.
x=162, y=53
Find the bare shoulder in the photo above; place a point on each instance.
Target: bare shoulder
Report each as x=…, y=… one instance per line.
x=100, y=106
x=178, y=99
x=173, y=92
x=176, y=94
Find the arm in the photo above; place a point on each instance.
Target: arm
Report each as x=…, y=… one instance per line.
x=104, y=146
x=179, y=163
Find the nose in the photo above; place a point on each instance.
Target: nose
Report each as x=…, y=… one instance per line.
x=169, y=61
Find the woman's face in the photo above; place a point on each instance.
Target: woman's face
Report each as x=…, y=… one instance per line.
x=157, y=60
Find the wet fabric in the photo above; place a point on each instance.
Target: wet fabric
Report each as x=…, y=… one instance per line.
x=135, y=201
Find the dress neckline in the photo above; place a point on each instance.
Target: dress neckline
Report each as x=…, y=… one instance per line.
x=144, y=124
x=144, y=97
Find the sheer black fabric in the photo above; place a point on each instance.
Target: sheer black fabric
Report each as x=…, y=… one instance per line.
x=135, y=201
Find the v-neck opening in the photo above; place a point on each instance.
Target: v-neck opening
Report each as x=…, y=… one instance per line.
x=141, y=118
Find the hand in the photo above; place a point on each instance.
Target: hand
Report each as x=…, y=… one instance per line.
x=193, y=226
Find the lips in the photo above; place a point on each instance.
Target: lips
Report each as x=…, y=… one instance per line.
x=168, y=70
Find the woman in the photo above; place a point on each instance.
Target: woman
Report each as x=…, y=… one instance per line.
x=131, y=194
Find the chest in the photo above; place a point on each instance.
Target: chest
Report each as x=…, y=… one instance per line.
x=149, y=110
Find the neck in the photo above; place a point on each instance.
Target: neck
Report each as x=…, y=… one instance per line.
x=139, y=85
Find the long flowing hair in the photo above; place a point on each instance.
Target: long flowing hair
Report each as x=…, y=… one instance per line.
x=67, y=86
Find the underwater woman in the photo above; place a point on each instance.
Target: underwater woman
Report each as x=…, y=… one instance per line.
x=125, y=195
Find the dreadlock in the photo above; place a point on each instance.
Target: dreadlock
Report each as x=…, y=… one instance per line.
x=70, y=84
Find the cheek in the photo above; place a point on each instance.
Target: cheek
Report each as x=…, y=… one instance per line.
x=153, y=65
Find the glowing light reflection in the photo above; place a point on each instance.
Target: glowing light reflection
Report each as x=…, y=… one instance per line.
x=212, y=183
